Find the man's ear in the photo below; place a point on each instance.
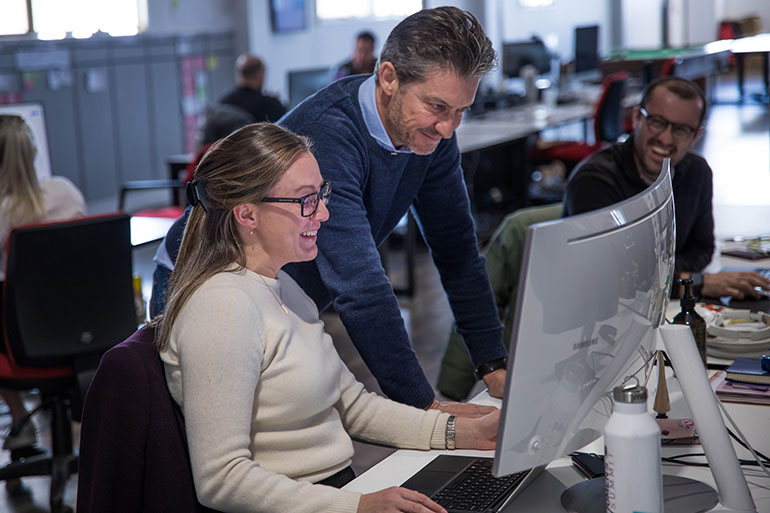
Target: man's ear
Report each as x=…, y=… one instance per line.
x=636, y=116
x=245, y=215
x=388, y=79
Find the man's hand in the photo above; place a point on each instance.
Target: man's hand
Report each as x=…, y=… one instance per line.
x=495, y=382
x=737, y=284
x=479, y=433
x=467, y=410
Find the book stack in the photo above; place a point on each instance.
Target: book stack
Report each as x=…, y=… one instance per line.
x=745, y=381
x=748, y=370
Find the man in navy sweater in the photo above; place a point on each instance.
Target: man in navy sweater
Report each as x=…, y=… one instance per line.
x=386, y=142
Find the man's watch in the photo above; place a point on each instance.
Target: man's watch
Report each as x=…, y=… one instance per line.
x=485, y=368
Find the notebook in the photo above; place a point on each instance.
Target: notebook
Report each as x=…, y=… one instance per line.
x=748, y=370
x=463, y=484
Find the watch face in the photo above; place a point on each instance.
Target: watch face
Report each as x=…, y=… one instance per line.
x=697, y=279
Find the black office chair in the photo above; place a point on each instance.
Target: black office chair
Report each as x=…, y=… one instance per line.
x=68, y=297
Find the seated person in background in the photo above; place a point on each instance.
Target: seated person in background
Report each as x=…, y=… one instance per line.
x=247, y=95
x=24, y=200
x=221, y=121
x=503, y=255
x=666, y=124
x=363, y=57
x=269, y=406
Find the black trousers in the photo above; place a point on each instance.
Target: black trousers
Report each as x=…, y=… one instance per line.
x=339, y=479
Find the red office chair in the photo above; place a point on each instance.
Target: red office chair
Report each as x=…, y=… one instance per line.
x=608, y=126
x=68, y=297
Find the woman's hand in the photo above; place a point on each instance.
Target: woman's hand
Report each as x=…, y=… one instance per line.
x=397, y=500
x=461, y=409
x=478, y=433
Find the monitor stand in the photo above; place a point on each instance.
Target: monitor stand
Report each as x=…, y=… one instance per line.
x=680, y=494
x=733, y=491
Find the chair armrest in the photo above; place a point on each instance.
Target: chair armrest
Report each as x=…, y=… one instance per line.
x=135, y=185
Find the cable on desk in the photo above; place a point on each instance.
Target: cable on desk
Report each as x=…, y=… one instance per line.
x=743, y=440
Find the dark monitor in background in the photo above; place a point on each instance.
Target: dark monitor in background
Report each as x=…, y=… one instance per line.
x=287, y=15
x=586, y=48
x=32, y=113
x=518, y=54
x=303, y=83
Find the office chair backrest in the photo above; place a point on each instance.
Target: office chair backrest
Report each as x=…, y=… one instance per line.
x=68, y=289
x=133, y=451
x=608, y=121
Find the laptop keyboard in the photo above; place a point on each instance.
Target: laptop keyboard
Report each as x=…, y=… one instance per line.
x=476, y=489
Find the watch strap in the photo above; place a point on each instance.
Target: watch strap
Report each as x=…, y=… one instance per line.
x=485, y=368
x=450, y=433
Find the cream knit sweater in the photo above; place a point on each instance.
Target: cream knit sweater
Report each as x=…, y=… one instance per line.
x=269, y=406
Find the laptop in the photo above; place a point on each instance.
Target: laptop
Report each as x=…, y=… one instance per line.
x=464, y=484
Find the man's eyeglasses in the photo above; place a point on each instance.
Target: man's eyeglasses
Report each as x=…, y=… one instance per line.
x=659, y=124
x=308, y=202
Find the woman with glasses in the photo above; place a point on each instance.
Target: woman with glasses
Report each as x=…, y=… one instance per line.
x=269, y=407
x=24, y=200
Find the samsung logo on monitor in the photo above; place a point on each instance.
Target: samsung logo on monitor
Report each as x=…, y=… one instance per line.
x=585, y=343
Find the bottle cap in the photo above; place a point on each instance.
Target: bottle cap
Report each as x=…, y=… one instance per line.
x=633, y=394
x=688, y=298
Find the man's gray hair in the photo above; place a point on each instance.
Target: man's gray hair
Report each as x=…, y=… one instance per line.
x=440, y=39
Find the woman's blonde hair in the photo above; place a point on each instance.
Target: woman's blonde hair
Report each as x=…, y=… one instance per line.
x=241, y=168
x=19, y=188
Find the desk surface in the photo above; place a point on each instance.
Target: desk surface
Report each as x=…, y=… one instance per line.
x=506, y=125
x=543, y=495
x=759, y=43
x=149, y=229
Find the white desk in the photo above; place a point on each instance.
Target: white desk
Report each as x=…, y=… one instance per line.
x=543, y=495
x=506, y=125
x=149, y=229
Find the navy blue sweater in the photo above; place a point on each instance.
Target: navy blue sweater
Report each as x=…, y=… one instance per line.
x=372, y=189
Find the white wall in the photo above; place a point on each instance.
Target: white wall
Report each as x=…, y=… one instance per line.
x=320, y=44
x=190, y=16
x=642, y=23
x=702, y=22
x=557, y=22
x=692, y=22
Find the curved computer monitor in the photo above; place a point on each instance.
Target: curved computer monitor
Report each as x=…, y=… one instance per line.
x=593, y=289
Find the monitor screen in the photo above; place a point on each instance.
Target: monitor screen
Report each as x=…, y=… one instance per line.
x=586, y=48
x=303, y=83
x=518, y=54
x=593, y=289
x=287, y=15
x=33, y=115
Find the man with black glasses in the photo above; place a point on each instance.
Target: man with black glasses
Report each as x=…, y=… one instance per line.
x=667, y=122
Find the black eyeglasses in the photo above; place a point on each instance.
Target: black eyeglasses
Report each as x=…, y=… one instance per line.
x=659, y=124
x=309, y=202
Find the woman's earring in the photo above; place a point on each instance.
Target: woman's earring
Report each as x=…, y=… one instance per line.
x=251, y=232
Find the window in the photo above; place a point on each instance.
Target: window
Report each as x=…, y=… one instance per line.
x=14, y=19
x=334, y=9
x=533, y=4
x=55, y=19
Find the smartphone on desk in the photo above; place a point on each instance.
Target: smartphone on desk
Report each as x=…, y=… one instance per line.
x=590, y=465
